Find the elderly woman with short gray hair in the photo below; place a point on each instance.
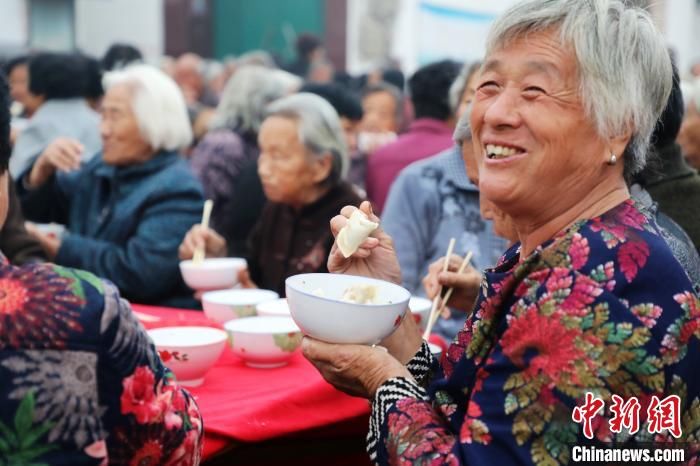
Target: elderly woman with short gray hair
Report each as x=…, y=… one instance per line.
x=590, y=303
x=302, y=163
x=127, y=209
x=231, y=144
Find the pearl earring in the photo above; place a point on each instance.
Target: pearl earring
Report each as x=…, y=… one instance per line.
x=613, y=159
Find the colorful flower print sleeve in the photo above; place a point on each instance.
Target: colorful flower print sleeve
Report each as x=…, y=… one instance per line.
x=603, y=308
x=81, y=382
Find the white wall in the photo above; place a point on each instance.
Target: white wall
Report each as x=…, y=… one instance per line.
x=13, y=23
x=426, y=30
x=100, y=23
x=682, y=22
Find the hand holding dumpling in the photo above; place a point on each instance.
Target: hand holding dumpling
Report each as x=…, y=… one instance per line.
x=375, y=256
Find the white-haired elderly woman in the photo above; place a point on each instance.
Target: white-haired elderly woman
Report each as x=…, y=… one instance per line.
x=232, y=144
x=127, y=209
x=589, y=304
x=302, y=163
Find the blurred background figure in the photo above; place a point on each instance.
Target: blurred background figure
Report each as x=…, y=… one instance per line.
x=436, y=199
x=302, y=162
x=25, y=104
x=128, y=208
x=671, y=182
x=119, y=56
x=428, y=134
x=59, y=83
x=232, y=144
x=309, y=51
x=689, y=136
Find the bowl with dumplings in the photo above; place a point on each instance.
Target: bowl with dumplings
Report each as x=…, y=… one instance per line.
x=340, y=308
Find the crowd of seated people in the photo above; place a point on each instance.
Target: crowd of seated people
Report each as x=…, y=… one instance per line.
x=123, y=154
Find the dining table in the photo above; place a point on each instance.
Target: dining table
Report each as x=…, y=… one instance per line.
x=288, y=414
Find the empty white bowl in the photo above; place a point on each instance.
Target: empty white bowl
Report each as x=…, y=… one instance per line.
x=212, y=274
x=420, y=308
x=330, y=319
x=189, y=351
x=276, y=308
x=224, y=305
x=264, y=342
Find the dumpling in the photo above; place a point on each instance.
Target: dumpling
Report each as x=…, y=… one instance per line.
x=354, y=233
x=360, y=294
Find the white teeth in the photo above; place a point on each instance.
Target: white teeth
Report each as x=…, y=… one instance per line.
x=493, y=151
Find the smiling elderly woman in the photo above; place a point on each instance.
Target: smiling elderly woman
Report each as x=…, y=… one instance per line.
x=590, y=300
x=126, y=209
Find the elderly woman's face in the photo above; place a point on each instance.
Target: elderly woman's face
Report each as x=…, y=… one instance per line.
x=289, y=174
x=535, y=147
x=122, y=143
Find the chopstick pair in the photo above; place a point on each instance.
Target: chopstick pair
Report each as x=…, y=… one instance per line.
x=199, y=253
x=440, y=303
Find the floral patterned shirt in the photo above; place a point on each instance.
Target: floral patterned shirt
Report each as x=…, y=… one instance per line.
x=80, y=381
x=602, y=308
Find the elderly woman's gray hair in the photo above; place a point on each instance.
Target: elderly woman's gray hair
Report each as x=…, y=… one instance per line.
x=460, y=84
x=624, y=67
x=158, y=105
x=247, y=93
x=319, y=128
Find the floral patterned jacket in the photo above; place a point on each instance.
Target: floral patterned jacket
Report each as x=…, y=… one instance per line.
x=80, y=381
x=602, y=308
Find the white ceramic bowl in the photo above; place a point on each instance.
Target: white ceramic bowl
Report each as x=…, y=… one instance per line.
x=330, y=319
x=264, y=341
x=189, y=351
x=212, y=274
x=276, y=308
x=420, y=308
x=224, y=305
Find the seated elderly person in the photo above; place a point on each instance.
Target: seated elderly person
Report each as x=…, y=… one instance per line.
x=302, y=163
x=81, y=381
x=232, y=144
x=590, y=302
x=433, y=200
x=60, y=83
x=128, y=208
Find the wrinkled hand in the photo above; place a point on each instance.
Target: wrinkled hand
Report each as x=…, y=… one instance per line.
x=62, y=154
x=50, y=244
x=466, y=285
x=214, y=244
x=357, y=370
x=375, y=258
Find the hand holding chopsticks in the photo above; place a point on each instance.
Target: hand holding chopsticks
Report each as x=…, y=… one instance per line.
x=199, y=253
x=440, y=303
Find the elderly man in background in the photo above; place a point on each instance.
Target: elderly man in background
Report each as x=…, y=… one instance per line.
x=81, y=381
x=433, y=200
x=128, y=208
x=60, y=83
x=590, y=302
x=430, y=132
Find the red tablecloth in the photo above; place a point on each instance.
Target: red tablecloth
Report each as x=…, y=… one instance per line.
x=241, y=403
